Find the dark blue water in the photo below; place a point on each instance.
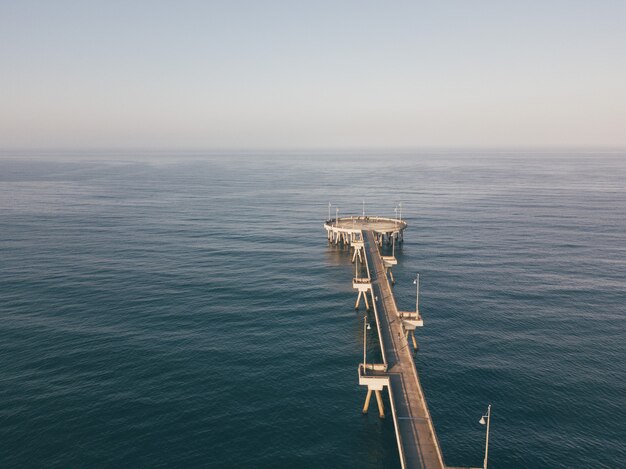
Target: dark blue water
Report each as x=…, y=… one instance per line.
x=185, y=310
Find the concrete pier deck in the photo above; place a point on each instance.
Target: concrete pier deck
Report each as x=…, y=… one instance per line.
x=419, y=441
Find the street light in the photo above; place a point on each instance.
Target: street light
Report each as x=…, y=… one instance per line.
x=487, y=416
x=328, y=211
x=416, y=282
x=366, y=327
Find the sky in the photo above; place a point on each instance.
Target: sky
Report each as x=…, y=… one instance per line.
x=293, y=74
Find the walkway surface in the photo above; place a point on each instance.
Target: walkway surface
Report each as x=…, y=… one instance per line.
x=419, y=442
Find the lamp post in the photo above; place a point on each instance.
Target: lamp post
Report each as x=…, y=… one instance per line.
x=396, y=210
x=366, y=327
x=416, y=282
x=328, y=211
x=336, y=216
x=363, y=208
x=482, y=422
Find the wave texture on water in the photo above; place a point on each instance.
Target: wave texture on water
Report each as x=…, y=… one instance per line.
x=187, y=311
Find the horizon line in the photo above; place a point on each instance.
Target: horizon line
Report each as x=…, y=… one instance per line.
x=520, y=148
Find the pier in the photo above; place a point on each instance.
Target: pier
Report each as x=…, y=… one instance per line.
x=418, y=446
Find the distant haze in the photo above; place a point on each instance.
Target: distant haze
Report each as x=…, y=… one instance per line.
x=315, y=74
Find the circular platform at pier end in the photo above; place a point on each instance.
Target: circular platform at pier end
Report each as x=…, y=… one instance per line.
x=379, y=225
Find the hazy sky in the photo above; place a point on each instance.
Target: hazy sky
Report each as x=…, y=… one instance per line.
x=295, y=74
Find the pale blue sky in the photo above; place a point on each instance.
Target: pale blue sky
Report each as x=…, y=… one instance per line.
x=315, y=74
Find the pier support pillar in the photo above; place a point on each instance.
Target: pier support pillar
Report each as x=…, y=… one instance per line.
x=367, y=401
x=362, y=294
x=357, y=255
x=379, y=400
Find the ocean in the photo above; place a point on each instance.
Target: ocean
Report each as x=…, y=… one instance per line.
x=185, y=309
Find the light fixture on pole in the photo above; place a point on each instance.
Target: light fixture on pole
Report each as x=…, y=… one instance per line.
x=328, y=211
x=336, y=216
x=486, y=419
x=416, y=282
x=366, y=327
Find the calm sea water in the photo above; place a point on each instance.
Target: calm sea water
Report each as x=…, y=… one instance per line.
x=186, y=310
